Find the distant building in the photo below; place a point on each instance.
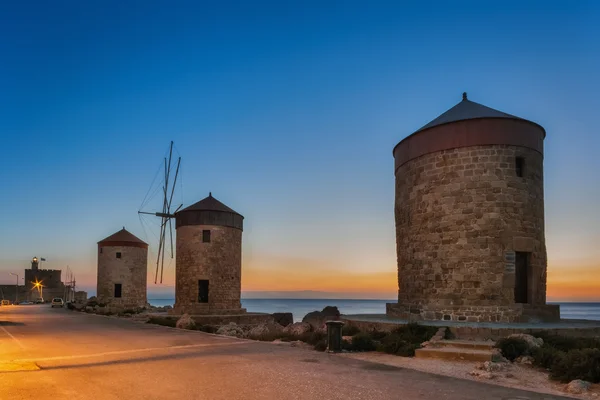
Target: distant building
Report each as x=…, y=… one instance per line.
x=209, y=259
x=122, y=271
x=469, y=213
x=46, y=282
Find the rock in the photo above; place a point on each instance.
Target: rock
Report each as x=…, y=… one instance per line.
x=185, y=322
x=527, y=360
x=231, y=330
x=89, y=309
x=299, y=343
x=509, y=375
x=498, y=357
x=265, y=330
x=532, y=341
x=490, y=366
x=317, y=319
x=482, y=374
x=283, y=319
x=578, y=386
x=297, y=328
x=331, y=311
x=166, y=308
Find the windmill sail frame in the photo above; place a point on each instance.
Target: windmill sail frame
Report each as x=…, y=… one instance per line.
x=166, y=215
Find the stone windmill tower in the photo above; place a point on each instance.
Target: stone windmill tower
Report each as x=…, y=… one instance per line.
x=469, y=213
x=122, y=271
x=208, y=268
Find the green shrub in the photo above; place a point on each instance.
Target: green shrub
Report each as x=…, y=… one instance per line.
x=321, y=345
x=577, y=364
x=566, y=343
x=415, y=333
x=378, y=335
x=545, y=356
x=362, y=342
x=404, y=340
x=512, y=348
x=349, y=330
x=162, y=321
x=395, y=344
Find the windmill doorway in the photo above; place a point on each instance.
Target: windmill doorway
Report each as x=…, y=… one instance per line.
x=522, y=277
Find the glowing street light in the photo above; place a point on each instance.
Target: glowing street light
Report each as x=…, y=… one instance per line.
x=37, y=284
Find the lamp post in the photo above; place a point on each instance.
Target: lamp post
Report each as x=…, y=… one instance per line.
x=16, y=287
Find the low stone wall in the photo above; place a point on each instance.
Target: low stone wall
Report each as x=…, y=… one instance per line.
x=506, y=314
x=483, y=333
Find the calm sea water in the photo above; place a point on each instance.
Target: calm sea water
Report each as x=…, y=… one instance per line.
x=300, y=307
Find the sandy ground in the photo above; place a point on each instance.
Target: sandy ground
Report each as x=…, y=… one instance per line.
x=516, y=376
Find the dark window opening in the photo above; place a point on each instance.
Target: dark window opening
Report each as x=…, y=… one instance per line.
x=520, y=166
x=521, y=277
x=203, y=291
x=118, y=255
x=100, y=249
x=117, y=290
x=206, y=236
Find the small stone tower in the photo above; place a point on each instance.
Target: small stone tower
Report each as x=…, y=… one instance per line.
x=208, y=271
x=469, y=215
x=122, y=271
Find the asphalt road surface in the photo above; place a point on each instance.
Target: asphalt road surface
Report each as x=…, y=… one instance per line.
x=59, y=354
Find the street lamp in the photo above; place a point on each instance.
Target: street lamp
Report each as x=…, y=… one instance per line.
x=16, y=287
x=39, y=287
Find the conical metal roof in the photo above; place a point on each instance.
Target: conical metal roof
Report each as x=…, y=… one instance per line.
x=122, y=236
x=466, y=110
x=209, y=204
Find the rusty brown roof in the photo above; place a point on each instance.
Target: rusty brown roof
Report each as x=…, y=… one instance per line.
x=123, y=236
x=209, y=204
x=468, y=109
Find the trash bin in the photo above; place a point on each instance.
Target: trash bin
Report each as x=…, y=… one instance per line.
x=334, y=336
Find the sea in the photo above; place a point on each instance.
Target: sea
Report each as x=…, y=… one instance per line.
x=300, y=307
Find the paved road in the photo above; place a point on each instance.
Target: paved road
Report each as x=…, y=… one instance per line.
x=59, y=354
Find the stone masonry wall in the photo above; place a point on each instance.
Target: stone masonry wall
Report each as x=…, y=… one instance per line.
x=219, y=262
x=130, y=271
x=457, y=213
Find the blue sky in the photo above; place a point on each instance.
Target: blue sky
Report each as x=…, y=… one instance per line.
x=287, y=112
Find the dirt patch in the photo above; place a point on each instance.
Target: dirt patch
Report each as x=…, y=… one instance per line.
x=514, y=375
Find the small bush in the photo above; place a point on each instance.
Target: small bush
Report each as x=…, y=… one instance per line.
x=512, y=348
x=577, y=364
x=207, y=328
x=362, y=342
x=349, y=330
x=545, y=356
x=395, y=344
x=378, y=335
x=567, y=343
x=162, y=321
x=321, y=345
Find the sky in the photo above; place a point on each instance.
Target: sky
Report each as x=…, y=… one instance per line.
x=288, y=113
